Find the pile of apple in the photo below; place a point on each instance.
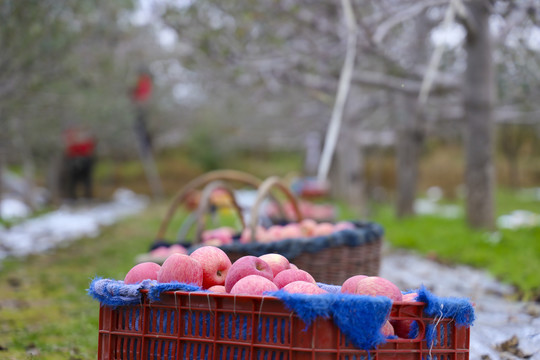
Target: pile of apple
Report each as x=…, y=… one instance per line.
x=210, y=268
x=305, y=228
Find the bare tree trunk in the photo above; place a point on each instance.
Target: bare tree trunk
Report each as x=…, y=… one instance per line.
x=479, y=98
x=349, y=178
x=409, y=141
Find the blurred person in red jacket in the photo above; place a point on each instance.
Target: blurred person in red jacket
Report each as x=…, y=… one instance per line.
x=79, y=155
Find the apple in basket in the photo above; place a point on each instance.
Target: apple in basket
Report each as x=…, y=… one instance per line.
x=245, y=266
x=323, y=229
x=277, y=262
x=142, y=271
x=378, y=286
x=181, y=268
x=253, y=285
x=215, y=265
x=245, y=236
x=308, y=227
x=221, y=236
x=344, y=225
x=303, y=287
x=290, y=275
x=292, y=231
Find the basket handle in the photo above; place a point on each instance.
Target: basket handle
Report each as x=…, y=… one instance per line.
x=204, y=206
x=202, y=180
x=262, y=193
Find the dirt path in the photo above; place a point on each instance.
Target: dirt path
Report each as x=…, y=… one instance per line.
x=503, y=329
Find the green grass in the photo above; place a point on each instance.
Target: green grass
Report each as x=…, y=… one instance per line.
x=43, y=303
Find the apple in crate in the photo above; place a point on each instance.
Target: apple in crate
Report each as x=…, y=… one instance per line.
x=181, y=268
x=245, y=266
x=253, y=285
x=387, y=329
x=220, y=289
x=378, y=286
x=215, y=265
x=288, y=276
x=142, y=271
x=349, y=285
x=402, y=328
x=303, y=287
x=277, y=262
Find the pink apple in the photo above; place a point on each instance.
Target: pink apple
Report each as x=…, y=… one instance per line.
x=247, y=265
x=303, y=287
x=324, y=228
x=142, y=271
x=349, y=285
x=253, y=285
x=292, y=266
x=277, y=262
x=378, y=286
x=292, y=231
x=308, y=227
x=245, y=237
x=181, y=268
x=219, y=289
x=410, y=297
x=161, y=252
x=344, y=225
x=288, y=276
x=177, y=248
x=274, y=232
x=215, y=265
x=222, y=235
x=387, y=329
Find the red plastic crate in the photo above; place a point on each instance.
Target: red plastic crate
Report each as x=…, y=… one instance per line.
x=186, y=325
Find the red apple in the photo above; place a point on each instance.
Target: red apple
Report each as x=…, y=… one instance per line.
x=245, y=237
x=177, y=248
x=253, y=285
x=387, y=329
x=245, y=266
x=181, y=268
x=323, y=229
x=344, y=225
x=308, y=227
x=402, y=328
x=410, y=297
x=142, y=271
x=292, y=231
x=277, y=262
x=274, y=232
x=161, y=252
x=215, y=265
x=378, y=286
x=349, y=285
x=220, y=289
x=303, y=287
x=288, y=276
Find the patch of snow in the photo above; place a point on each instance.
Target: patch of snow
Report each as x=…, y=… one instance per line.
x=12, y=209
x=518, y=219
x=67, y=224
